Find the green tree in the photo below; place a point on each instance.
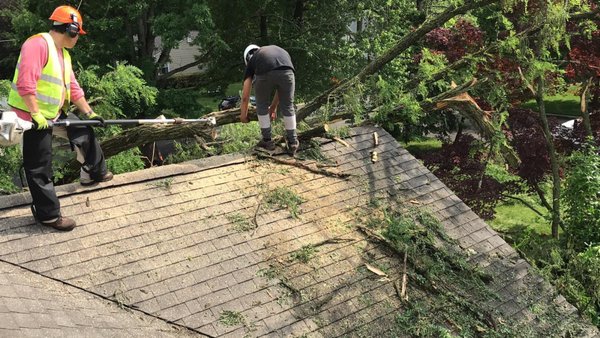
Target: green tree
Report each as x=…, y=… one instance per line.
x=10, y=158
x=120, y=93
x=10, y=163
x=582, y=199
x=551, y=17
x=119, y=30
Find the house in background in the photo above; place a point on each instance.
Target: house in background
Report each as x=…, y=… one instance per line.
x=184, y=54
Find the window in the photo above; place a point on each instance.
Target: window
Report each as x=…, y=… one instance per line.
x=165, y=68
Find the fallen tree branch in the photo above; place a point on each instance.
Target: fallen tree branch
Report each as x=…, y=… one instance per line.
x=301, y=165
x=403, y=44
x=144, y=134
x=403, y=295
x=584, y=16
x=333, y=241
x=466, y=60
x=459, y=100
x=254, y=219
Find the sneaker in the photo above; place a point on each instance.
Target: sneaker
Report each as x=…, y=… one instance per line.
x=90, y=181
x=62, y=224
x=268, y=145
x=293, y=148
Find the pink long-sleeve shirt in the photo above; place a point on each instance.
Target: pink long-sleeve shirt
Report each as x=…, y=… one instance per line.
x=34, y=56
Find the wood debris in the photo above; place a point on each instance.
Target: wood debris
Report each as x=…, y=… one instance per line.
x=375, y=270
x=300, y=164
x=342, y=142
x=403, y=290
x=374, y=156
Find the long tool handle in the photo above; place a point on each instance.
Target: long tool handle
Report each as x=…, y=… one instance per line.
x=67, y=123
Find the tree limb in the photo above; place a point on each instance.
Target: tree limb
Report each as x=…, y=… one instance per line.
x=584, y=16
x=585, y=114
x=542, y=195
x=527, y=204
x=299, y=164
x=200, y=60
x=465, y=60
x=377, y=64
x=138, y=136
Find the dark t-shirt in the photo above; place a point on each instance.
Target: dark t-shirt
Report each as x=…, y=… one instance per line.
x=266, y=59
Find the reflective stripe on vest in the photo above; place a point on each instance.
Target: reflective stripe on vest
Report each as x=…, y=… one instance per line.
x=50, y=85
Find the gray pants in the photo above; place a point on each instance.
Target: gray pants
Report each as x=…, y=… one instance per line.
x=284, y=82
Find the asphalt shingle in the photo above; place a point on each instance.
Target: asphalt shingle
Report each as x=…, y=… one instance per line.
x=179, y=243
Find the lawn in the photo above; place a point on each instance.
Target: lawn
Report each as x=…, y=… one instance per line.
x=512, y=216
x=566, y=105
x=416, y=148
x=212, y=101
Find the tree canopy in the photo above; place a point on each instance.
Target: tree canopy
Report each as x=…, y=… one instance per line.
x=416, y=67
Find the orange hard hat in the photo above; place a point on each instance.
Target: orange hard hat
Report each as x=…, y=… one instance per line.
x=68, y=14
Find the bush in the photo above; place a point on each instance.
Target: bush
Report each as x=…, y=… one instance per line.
x=10, y=158
x=123, y=90
x=4, y=90
x=582, y=199
x=575, y=275
x=586, y=269
x=186, y=150
x=461, y=165
x=10, y=163
x=181, y=103
x=125, y=161
x=241, y=137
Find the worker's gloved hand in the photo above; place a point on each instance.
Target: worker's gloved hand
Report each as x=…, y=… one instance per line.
x=39, y=121
x=94, y=116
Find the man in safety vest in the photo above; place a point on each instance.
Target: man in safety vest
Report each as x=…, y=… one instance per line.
x=43, y=87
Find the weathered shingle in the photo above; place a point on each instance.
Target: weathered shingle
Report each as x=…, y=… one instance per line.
x=179, y=243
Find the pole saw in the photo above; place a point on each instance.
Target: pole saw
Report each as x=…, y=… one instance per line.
x=12, y=127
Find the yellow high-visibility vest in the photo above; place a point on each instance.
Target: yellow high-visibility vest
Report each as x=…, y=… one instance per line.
x=50, y=86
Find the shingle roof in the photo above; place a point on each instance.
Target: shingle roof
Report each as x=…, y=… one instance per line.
x=175, y=247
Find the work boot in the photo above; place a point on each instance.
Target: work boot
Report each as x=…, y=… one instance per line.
x=266, y=144
x=62, y=224
x=106, y=177
x=90, y=181
x=293, y=148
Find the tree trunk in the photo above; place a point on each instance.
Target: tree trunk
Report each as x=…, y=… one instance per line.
x=553, y=158
x=142, y=32
x=264, y=33
x=585, y=113
x=539, y=45
x=132, y=53
x=150, y=43
x=377, y=64
x=299, y=14
x=162, y=60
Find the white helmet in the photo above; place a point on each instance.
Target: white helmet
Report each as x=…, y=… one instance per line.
x=248, y=52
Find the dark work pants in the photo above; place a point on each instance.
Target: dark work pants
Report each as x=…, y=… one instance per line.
x=37, y=162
